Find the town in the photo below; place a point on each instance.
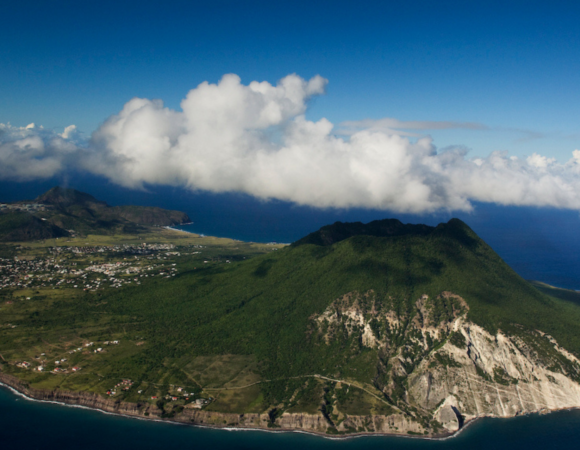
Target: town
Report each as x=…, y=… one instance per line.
x=26, y=207
x=114, y=266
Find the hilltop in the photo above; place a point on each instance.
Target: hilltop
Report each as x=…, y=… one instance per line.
x=384, y=327
x=339, y=231
x=64, y=211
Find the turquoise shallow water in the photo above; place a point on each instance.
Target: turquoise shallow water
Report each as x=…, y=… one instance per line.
x=26, y=424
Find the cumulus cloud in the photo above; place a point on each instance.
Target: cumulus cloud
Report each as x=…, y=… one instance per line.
x=31, y=152
x=255, y=138
x=69, y=132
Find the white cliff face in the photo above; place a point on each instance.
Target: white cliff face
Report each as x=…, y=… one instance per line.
x=494, y=376
x=460, y=371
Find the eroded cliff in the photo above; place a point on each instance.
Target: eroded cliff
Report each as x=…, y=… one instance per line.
x=442, y=370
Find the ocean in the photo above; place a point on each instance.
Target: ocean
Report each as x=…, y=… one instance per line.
x=31, y=425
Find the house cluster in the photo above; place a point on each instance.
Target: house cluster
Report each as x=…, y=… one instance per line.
x=86, y=345
x=22, y=274
x=27, y=207
x=62, y=365
x=140, y=249
x=40, y=368
x=50, y=272
x=185, y=396
x=124, y=385
x=100, y=349
x=201, y=402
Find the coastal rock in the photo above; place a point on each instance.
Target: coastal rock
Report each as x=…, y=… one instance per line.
x=497, y=375
x=455, y=370
x=447, y=414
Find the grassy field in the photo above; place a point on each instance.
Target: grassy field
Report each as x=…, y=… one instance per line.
x=154, y=235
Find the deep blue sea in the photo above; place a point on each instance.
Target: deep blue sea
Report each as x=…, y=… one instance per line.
x=28, y=425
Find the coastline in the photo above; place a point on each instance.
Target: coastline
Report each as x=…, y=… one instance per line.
x=248, y=241
x=172, y=228
x=118, y=408
x=95, y=402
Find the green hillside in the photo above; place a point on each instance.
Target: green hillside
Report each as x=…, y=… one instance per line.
x=263, y=306
x=21, y=226
x=255, y=319
x=564, y=294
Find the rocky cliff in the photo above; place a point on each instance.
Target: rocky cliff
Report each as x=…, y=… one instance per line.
x=314, y=423
x=450, y=370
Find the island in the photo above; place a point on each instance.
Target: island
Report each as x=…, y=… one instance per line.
x=378, y=328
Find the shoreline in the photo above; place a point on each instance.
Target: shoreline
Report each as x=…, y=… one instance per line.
x=201, y=235
x=172, y=227
x=12, y=384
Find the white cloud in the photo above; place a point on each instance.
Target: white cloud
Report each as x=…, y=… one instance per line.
x=539, y=161
x=31, y=152
x=255, y=139
x=401, y=127
x=69, y=132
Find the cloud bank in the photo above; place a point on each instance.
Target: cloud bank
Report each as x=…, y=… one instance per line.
x=231, y=137
x=30, y=152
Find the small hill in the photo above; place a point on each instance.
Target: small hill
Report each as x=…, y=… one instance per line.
x=68, y=209
x=22, y=226
x=150, y=215
x=82, y=205
x=65, y=197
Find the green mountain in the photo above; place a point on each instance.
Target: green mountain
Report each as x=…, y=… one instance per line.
x=150, y=215
x=340, y=231
x=382, y=327
x=67, y=211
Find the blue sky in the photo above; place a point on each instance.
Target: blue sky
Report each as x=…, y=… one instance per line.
x=407, y=107
x=511, y=67
x=477, y=77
